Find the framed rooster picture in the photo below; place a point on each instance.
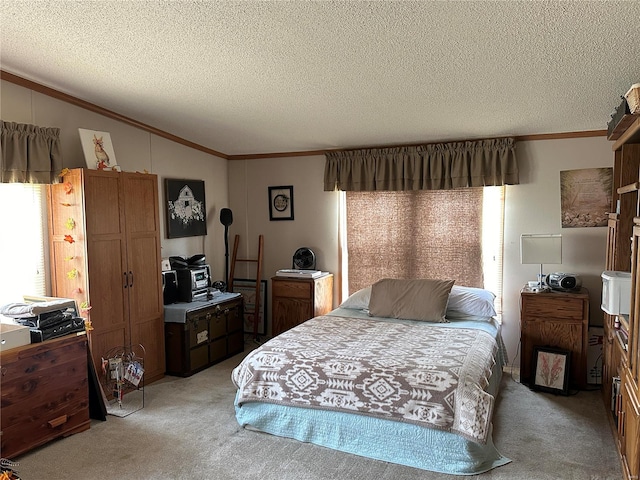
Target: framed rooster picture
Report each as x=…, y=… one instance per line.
x=98, y=150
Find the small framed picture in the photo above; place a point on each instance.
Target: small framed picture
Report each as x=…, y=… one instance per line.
x=551, y=370
x=248, y=290
x=98, y=150
x=281, y=203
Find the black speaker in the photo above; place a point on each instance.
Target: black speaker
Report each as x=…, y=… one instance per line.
x=226, y=217
x=169, y=287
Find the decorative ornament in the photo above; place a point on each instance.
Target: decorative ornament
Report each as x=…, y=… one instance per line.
x=70, y=224
x=68, y=188
x=69, y=239
x=65, y=204
x=72, y=273
x=63, y=172
x=77, y=290
x=69, y=258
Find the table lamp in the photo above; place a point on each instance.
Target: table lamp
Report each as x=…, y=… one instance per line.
x=540, y=249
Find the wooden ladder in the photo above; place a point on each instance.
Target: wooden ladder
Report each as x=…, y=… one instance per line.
x=258, y=261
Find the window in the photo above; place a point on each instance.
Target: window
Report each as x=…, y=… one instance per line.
x=453, y=234
x=22, y=244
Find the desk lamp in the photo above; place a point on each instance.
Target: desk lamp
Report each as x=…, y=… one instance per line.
x=540, y=249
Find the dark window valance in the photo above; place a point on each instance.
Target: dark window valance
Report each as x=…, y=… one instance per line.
x=29, y=154
x=441, y=166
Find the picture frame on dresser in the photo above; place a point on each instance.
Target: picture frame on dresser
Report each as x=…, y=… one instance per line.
x=551, y=367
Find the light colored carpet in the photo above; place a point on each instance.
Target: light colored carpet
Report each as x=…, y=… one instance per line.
x=187, y=430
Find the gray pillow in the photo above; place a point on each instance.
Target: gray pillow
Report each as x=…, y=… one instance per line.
x=422, y=299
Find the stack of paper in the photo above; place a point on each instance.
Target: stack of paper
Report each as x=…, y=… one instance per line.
x=291, y=273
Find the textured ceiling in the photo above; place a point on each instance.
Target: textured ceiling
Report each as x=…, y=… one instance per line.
x=264, y=77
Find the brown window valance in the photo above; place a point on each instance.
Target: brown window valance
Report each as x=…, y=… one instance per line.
x=441, y=166
x=29, y=154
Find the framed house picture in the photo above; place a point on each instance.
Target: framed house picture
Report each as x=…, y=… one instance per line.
x=186, y=208
x=247, y=288
x=281, y=203
x=551, y=370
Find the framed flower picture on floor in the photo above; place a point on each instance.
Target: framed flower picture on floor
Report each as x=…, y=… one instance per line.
x=551, y=370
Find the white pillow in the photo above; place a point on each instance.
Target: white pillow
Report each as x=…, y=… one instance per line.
x=358, y=300
x=471, y=301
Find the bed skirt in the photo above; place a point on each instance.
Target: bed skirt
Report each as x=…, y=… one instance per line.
x=380, y=439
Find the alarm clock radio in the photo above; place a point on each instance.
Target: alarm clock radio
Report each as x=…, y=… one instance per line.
x=563, y=281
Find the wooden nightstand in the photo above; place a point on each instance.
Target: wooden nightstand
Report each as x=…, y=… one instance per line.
x=555, y=319
x=296, y=300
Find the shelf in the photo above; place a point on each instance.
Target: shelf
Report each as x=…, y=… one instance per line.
x=624, y=321
x=630, y=135
x=632, y=187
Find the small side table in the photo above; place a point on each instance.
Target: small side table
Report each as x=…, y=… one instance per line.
x=296, y=300
x=555, y=319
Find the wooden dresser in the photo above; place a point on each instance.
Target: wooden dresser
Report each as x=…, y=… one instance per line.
x=296, y=300
x=199, y=334
x=555, y=319
x=45, y=393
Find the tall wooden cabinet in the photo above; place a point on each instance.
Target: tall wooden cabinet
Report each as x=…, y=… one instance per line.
x=104, y=233
x=621, y=360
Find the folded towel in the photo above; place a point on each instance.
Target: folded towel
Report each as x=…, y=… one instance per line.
x=22, y=310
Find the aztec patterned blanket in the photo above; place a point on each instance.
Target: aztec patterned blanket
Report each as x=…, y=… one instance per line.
x=418, y=372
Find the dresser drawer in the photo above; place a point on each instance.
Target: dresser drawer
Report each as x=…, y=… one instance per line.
x=545, y=307
x=198, y=330
x=292, y=289
x=44, y=394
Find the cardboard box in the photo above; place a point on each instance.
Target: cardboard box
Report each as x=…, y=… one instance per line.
x=12, y=336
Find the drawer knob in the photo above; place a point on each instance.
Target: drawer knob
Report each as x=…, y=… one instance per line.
x=56, y=422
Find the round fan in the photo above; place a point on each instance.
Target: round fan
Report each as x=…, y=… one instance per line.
x=304, y=259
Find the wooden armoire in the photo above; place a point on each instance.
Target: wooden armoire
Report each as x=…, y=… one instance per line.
x=104, y=237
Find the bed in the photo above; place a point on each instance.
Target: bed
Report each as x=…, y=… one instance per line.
x=404, y=371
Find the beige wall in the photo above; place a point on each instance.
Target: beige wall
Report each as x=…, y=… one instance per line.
x=242, y=185
x=532, y=207
x=136, y=150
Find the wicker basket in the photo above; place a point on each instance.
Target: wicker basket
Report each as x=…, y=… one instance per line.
x=633, y=98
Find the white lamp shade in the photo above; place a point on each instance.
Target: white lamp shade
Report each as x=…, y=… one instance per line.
x=540, y=248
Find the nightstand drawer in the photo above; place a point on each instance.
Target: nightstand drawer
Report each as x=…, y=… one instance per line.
x=549, y=306
x=292, y=289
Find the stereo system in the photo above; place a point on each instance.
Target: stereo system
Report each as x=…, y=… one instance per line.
x=187, y=280
x=563, y=281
